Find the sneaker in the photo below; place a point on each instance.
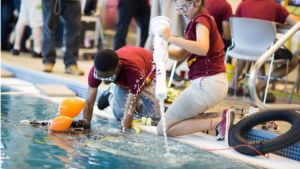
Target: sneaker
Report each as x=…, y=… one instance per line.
x=225, y=124
x=103, y=100
x=74, y=70
x=48, y=67
x=15, y=52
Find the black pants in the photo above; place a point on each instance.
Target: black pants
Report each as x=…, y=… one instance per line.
x=140, y=10
x=8, y=22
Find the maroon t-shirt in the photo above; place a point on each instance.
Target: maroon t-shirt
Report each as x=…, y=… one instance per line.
x=213, y=62
x=136, y=66
x=262, y=9
x=220, y=10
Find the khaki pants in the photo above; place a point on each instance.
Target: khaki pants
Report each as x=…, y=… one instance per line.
x=203, y=93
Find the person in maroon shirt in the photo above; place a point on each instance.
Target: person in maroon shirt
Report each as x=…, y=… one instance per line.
x=221, y=11
x=271, y=11
x=265, y=10
x=131, y=70
x=203, y=47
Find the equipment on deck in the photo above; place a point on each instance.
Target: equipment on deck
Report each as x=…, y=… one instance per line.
x=237, y=133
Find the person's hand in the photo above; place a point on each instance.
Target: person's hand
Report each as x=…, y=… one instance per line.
x=166, y=33
x=84, y=123
x=126, y=122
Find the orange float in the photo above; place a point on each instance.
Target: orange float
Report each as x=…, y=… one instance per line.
x=71, y=107
x=61, y=123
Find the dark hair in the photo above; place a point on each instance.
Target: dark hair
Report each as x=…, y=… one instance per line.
x=106, y=60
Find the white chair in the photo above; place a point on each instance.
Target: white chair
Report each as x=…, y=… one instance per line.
x=250, y=39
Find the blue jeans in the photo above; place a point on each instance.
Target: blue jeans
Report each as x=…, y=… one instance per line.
x=148, y=104
x=59, y=40
x=71, y=13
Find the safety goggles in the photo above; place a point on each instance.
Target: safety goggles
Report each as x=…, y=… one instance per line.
x=110, y=79
x=183, y=8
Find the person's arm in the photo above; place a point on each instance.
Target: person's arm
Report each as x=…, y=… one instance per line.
x=89, y=104
x=226, y=30
x=130, y=107
x=178, y=55
x=198, y=47
x=291, y=20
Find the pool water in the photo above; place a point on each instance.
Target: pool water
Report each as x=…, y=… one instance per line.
x=103, y=147
x=6, y=89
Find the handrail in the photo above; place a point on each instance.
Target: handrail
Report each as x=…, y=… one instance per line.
x=260, y=62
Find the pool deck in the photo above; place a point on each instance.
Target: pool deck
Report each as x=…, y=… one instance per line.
x=199, y=140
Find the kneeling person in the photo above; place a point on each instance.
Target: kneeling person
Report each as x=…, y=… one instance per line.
x=131, y=70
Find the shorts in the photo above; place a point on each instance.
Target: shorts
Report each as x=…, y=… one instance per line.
x=31, y=13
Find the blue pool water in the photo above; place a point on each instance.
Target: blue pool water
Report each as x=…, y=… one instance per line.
x=6, y=89
x=104, y=147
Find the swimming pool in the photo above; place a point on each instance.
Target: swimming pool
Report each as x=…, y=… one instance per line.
x=104, y=147
x=6, y=89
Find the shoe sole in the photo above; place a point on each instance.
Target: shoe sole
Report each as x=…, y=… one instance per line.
x=230, y=119
x=76, y=74
x=48, y=70
x=104, y=104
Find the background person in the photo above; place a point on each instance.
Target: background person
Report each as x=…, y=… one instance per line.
x=70, y=10
x=8, y=23
x=221, y=11
x=128, y=9
x=30, y=14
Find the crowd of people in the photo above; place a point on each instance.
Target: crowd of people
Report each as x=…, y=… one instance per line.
x=201, y=30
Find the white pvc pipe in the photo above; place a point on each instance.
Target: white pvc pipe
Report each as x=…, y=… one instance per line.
x=172, y=74
x=160, y=54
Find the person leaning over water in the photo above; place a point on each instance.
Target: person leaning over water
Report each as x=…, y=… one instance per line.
x=203, y=47
x=131, y=71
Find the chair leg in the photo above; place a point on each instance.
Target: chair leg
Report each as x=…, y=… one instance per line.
x=245, y=77
x=296, y=84
x=286, y=77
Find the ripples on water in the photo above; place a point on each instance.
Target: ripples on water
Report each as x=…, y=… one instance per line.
x=104, y=146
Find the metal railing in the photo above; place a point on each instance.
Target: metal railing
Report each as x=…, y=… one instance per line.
x=266, y=56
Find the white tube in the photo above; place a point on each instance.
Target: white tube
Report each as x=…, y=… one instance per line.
x=172, y=73
x=160, y=55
